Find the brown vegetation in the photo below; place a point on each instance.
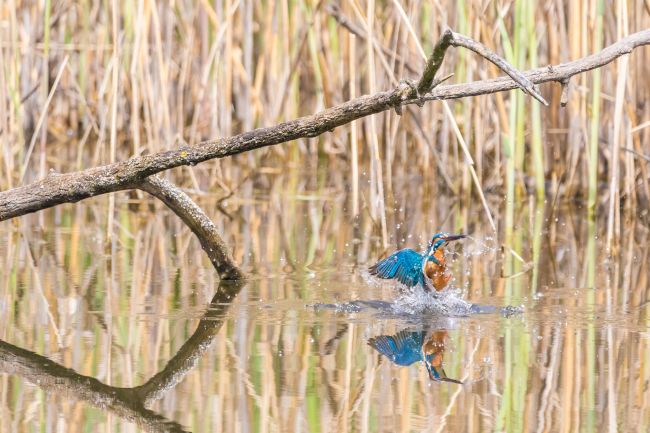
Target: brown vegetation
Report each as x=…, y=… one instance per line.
x=155, y=78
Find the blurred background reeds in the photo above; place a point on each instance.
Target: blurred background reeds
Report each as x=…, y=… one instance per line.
x=90, y=82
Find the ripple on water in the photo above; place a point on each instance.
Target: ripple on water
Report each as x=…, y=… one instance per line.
x=418, y=302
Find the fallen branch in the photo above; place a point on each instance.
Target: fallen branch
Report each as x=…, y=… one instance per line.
x=69, y=188
x=457, y=40
x=560, y=73
x=198, y=222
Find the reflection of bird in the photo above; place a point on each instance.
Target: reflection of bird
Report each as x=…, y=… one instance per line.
x=412, y=268
x=407, y=347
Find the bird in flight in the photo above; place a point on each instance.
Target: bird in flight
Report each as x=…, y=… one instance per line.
x=412, y=268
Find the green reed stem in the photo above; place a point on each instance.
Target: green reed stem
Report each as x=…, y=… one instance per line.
x=508, y=154
x=595, y=115
x=537, y=244
x=535, y=115
x=504, y=417
x=591, y=257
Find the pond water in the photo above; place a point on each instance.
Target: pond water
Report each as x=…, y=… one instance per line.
x=120, y=324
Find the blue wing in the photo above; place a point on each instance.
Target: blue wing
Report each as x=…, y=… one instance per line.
x=405, y=265
x=403, y=348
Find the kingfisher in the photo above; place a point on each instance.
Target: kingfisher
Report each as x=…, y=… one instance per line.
x=407, y=347
x=412, y=268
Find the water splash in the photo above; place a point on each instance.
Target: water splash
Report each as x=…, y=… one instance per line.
x=418, y=302
x=446, y=303
x=480, y=246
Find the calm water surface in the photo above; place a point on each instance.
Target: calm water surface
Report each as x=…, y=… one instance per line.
x=99, y=317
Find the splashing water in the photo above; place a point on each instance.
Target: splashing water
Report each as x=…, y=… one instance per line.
x=445, y=303
x=479, y=247
x=418, y=302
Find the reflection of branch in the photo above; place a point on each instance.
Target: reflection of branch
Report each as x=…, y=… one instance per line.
x=189, y=354
x=53, y=377
x=127, y=403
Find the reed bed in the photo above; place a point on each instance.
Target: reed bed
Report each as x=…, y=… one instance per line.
x=86, y=83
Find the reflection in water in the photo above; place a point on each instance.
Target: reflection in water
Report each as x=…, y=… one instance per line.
x=56, y=379
x=407, y=347
x=575, y=360
x=127, y=403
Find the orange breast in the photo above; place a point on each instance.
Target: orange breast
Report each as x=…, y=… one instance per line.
x=436, y=346
x=437, y=273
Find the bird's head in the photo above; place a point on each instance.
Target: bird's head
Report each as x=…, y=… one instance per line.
x=438, y=240
x=433, y=352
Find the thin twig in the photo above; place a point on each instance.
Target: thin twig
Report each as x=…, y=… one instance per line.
x=525, y=84
x=637, y=154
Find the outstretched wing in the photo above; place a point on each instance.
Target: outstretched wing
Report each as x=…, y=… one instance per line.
x=405, y=265
x=403, y=348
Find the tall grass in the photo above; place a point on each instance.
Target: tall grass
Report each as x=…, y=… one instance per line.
x=143, y=77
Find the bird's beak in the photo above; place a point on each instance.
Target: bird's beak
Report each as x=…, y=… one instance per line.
x=438, y=374
x=454, y=237
x=446, y=379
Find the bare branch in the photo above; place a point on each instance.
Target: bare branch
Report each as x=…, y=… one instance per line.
x=72, y=187
x=450, y=38
x=558, y=73
x=433, y=63
x=459, y=40
x=198, y=222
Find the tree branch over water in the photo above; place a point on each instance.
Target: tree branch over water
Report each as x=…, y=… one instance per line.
x=202, y=226
x=72, y=187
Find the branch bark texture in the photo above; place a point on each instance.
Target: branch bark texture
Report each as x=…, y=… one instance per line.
x=69, y=188
x=202, y=226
